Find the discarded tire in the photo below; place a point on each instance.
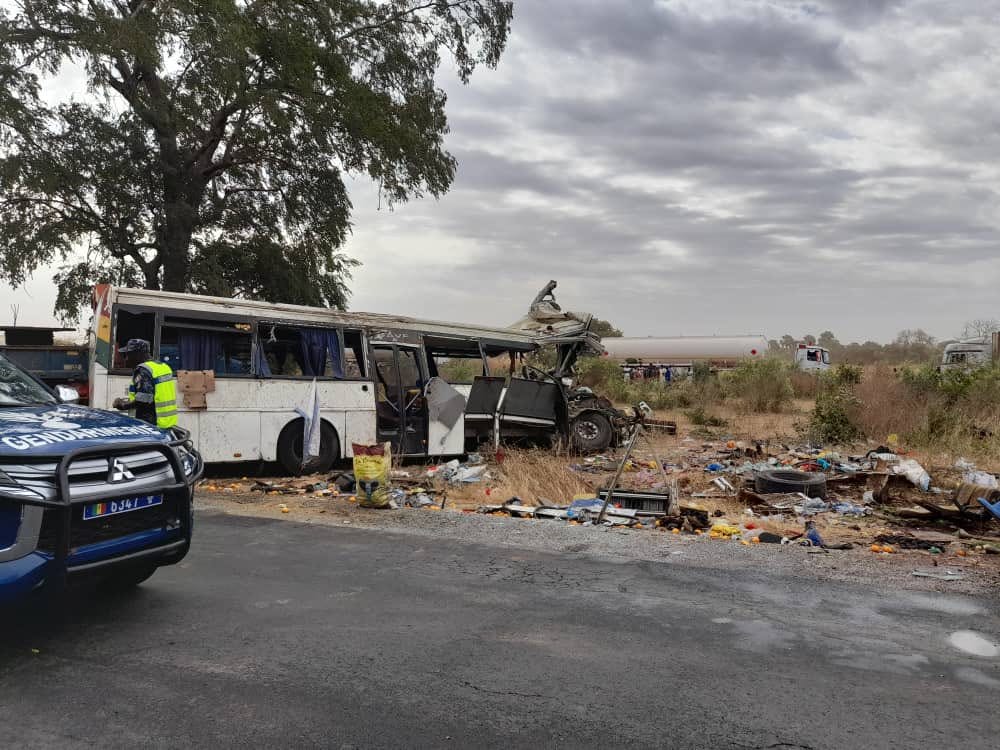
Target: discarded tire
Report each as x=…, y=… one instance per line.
x=771, y=481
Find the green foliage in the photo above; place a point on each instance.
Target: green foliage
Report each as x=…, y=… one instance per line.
x=846, y=374
x=212, y=152
x=700, y=417
x=604, y=329
x=910, y=346
x=460, y=370
x=598, y=372
x=701, y=372
x=925, y=379
x=831, y=421
x=762, y=385
x=833, y=416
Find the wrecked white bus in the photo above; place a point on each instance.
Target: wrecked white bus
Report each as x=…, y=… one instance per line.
x=243, y=367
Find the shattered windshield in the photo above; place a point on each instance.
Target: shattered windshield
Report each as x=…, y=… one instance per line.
x=17, y=388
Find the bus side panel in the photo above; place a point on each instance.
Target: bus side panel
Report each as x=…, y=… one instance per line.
x=227, y=435
x=360, y=429
x=349, y=406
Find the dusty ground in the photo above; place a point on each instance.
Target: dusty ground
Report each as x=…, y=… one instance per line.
x=538, y=477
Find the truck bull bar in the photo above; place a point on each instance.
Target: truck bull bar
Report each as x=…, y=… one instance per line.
x=63, y=502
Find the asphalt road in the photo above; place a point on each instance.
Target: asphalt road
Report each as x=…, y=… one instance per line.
x=276, y=634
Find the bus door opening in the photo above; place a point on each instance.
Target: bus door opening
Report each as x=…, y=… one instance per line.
x=400, y=408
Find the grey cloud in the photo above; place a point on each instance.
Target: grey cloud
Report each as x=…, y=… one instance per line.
x=713, y=166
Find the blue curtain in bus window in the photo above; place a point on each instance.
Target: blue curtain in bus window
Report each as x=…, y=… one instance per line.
x=260, y=365
x=199, y=349
x=313, y=345
x=333, y=347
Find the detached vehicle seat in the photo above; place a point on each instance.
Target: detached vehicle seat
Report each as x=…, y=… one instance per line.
x=530, y=403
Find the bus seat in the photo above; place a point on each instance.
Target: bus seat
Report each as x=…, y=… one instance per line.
x=530, y=402
x=481, y=405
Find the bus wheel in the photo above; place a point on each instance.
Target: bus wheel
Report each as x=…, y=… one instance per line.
x=591, y=431
x=290, y=448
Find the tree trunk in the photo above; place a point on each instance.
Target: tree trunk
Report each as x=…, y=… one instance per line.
x=152, y=274
x=180, y=214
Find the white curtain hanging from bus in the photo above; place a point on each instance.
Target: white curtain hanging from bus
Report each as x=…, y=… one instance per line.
x=309, y=411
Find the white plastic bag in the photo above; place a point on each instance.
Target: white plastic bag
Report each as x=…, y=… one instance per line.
x=914, y=472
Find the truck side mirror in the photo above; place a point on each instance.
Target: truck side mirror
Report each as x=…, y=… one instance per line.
x=67, y=394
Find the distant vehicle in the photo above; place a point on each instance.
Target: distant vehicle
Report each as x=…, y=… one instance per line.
x=33, y=348
x=970, y=353
x=680, y=353
x=812, y=358
x=86, y=494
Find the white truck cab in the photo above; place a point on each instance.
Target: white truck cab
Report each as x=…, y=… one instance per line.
x=968, y=353
x=811, y=358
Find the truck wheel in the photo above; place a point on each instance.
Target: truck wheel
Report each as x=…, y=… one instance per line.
x=127, y=578
x=591, y=432
x=290, y=448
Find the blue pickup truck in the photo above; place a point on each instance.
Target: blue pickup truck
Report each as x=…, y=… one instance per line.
x=85, y=493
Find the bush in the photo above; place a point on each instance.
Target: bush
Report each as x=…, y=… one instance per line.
x=700, y=417
x=848, y=374
x=762, y=385
x=460, y=370
x=605, y=377
x=599, y=372
x=953, y=411
x=831, y=420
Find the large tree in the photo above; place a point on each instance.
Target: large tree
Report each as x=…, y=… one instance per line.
x=211, y=152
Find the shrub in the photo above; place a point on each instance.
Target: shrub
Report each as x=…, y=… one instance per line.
x=700, y=417
x=460, y=370
x=831, y=420
x=701, y=372
x=848, y=374
x=599, y=372
x=762, y=385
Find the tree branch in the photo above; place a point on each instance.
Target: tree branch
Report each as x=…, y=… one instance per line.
x=397, y=17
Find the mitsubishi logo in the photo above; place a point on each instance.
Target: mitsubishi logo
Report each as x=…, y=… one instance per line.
x=119, y=472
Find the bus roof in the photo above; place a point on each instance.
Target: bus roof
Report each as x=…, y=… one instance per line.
x=200, y=304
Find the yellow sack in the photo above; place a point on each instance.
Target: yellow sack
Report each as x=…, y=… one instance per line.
x=371, y=473
x=725, y=529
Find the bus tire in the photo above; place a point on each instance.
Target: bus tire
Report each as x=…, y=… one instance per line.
x=591, y=431
x=290, y=448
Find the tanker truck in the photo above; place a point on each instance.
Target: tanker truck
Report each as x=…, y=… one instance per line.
x=676, y=356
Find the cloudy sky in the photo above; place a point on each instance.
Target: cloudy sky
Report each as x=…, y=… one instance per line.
x=709, y=167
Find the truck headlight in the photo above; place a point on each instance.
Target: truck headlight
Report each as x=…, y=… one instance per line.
x=188, y=463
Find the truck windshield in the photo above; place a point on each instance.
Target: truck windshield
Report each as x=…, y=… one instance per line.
x=17, y=388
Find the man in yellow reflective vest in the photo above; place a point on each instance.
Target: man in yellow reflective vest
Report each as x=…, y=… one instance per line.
x=153, y=392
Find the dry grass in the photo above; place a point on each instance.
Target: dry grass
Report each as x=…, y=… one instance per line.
x=744, y=424
x=539, y=476
x=886, y=405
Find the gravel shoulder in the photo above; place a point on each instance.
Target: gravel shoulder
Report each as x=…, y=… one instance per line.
x=981, y=573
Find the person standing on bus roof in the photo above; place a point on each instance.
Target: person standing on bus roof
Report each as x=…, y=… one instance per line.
x=153, y=392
